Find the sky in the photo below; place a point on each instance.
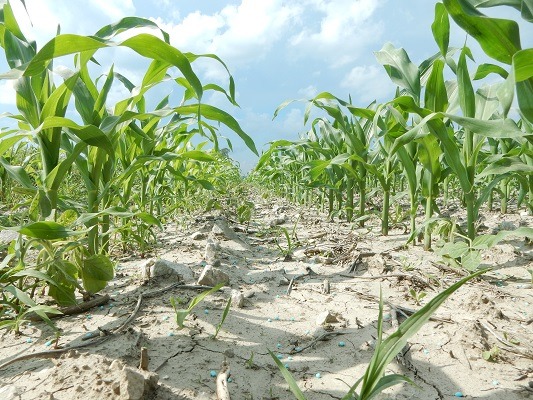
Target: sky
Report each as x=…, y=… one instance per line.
x=276, y=50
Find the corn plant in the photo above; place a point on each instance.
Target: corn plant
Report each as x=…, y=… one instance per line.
x=116, y=151
x=374, y=380
x=463, y=147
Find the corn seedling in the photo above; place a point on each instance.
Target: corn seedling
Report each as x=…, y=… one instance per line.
x=374, y=381
x=182, y=313
x=224, y=315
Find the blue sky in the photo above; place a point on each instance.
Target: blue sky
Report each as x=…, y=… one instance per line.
x=276, y=50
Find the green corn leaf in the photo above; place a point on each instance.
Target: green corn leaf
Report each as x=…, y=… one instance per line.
x=144, y=44
x=90, y=134
x=436, y=96
x=524, y=94
x=10, y=22
x=487, y=101
x=216, y=114
x=8, y=142
x=217, y=88
x=522, y=65
x=441, y=28
x=27, y=102
x=429, y=153
x=487, y=241
x=149, y=219
x=224, y=315
x=57, y=102
x=39, y=275
x=96, y=271
x=151, y=47
x=505, y=165
x=483, y=70
x=400, y=68
x=499, y=38
x=467, y=98
x=196, y=155
x=61, y=45
x=54, y=179
x=282, y=106
x=43, y=312
x=486, y=190
x=20, y=295
x=48, y=230
x=293, y=386
x=498, y=128
x=390, y=347
x=18, y=174
x=111, y=30
x=386, y=382
x=524, y=6
x=99, y=104
x=181, y=314
x=193, y=57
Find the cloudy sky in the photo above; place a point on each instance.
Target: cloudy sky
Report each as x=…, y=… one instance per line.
x=275, y=49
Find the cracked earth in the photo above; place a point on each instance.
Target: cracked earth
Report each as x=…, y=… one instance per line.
x=317, y=312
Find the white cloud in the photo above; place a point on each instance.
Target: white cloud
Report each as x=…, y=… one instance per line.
x=293, y=122
x=239, y=34
x=345, y=29
x=308, y=92
x=254, y=26
x=7, y=93
x=367, y=83
x=245, y=33
x=45, y=16
x=115, y=9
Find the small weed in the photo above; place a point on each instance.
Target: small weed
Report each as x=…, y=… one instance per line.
x=492, y=355
x=249, y=364
x=182, y=313
x=417, y=296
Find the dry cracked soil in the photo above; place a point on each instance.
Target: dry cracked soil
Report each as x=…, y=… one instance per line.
x=317, y=312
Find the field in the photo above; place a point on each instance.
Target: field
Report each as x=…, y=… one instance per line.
x=447, y=356
x=385, y=254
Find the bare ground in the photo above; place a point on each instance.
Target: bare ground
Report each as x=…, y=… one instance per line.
x=444, y=358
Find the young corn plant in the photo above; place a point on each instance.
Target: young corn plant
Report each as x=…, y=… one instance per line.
x=462, y=147
x=114, y=151
x=374, y=381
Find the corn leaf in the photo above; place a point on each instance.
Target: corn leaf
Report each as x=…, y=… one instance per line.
x=487, y=241
x=441, y=28
x=390, y=347
x=436, y=96
x=216, y=114
x=96, y=271
x=467, y=98
x=400, y=68
x=483, y=70
x=48, y=230
x=293, y=386
x=499, y=38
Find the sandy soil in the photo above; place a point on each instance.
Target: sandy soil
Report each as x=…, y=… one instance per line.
x=444, y=358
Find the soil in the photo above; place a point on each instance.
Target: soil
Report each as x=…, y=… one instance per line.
x=317, y=312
